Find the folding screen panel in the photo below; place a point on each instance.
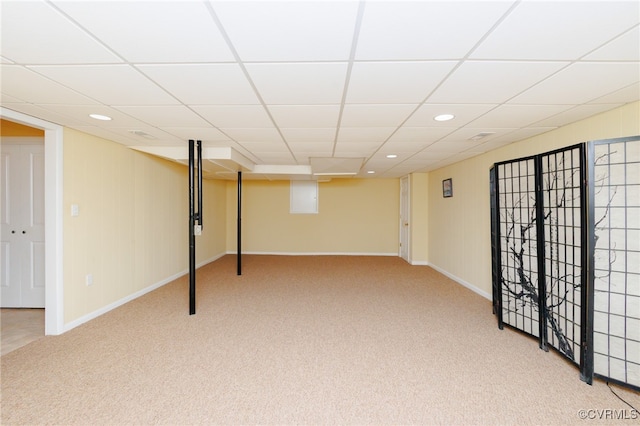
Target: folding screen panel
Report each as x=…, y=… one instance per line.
x=562, y=218
x=565, y=229
x=516, y=194
x=615, y=214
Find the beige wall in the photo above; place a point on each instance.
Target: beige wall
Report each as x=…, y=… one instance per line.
x=419, y=215
x=132, y=230
x=355, y=216
x=459, y=227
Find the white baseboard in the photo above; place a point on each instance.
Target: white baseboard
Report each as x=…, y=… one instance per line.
x=95, y=314
x=463, y=283
x=282, y=253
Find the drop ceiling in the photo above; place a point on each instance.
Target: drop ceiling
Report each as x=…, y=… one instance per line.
x=280, y=88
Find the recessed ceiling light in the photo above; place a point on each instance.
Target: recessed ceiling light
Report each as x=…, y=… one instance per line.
x=100, y=117
x=392, y=156
x=444, y=117
x=370, y=172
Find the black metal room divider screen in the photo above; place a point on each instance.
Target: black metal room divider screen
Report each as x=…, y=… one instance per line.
x=615, y=225
x=548, y=213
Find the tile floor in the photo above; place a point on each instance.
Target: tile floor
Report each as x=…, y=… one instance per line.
x=20, y=327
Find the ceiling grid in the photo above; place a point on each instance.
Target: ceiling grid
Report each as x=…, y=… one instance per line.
x=283, y=86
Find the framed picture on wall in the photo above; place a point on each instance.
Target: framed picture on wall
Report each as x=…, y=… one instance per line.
x=447, y=188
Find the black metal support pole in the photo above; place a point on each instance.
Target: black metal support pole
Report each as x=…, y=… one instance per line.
x=192, y=237
x=239, y=256
x=496, y=265
x=199, y=215
x=542, y=290
x=587, y=259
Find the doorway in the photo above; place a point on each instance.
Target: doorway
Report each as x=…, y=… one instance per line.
x=404, y=218
x=53, y=155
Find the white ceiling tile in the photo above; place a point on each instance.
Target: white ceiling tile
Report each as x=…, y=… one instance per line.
x=320, y=148
x=235, y=116
x=320, y=135
x=581, y=83
x=243, y=135
x=299, y=83
x=110, y=84
x=625, y=47
x=356, y=149
x=305, y=116
x=110, y=134
x=81, y=113
x=47, y=114
x=8, y=99
x=426, y=156
x=564, y=30
x=177, y=115
x=466, y=133
x=390, y=162
x=123, y=135
x=516, y=135
x=424, y=29
x=263, y=146
x=23, y=83
x=623, y=96
x=274, y=158
x=395, y=82
x=377, y=164
x=419, y=136
x=424, y=116
x=362, y=115
x=491, y=82
x=34, y=33
x=517, y=115
x=405, y=146
x=152, y=25
x=267, y=153
x=208, y=135
x=364, y=134
x=577, y=113
x=289, y=31
x=203, y=84
x=450, y=146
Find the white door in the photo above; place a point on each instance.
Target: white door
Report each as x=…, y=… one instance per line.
x=404, y=218
x=23, y=277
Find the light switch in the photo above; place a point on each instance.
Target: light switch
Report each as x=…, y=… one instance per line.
x=75, y=210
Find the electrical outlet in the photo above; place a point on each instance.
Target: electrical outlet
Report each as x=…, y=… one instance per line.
x=197, y=230
x=89, y=279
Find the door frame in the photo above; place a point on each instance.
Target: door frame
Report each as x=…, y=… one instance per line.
x=405, y=203
x=53, y=216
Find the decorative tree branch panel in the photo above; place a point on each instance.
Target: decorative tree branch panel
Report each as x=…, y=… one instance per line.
x=615, y=208
x=562, y=177
x=565, y=229
x=518, y=251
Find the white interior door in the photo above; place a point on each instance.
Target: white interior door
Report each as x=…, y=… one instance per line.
x=404, y=218
x=23, y=243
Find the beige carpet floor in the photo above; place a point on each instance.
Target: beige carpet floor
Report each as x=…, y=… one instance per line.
x=302, y=340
